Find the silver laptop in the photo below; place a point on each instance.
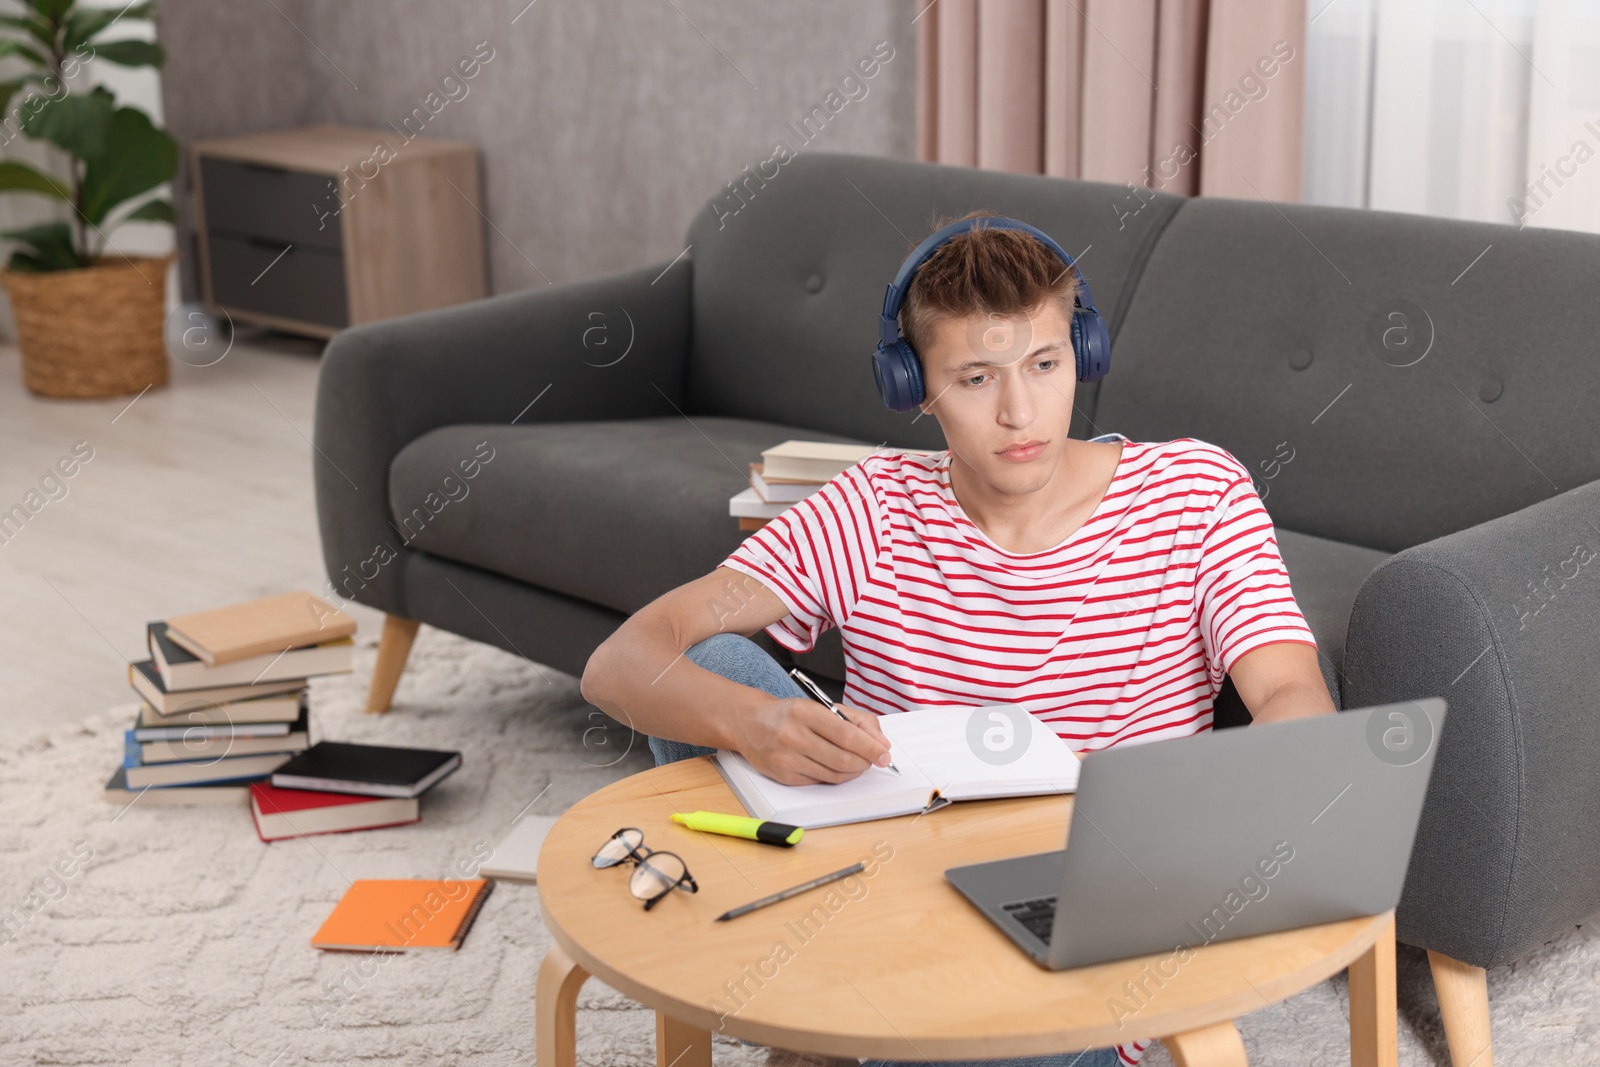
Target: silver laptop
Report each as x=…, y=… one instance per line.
x=1220, y=835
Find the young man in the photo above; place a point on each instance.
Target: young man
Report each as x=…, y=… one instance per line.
x=1106, y=585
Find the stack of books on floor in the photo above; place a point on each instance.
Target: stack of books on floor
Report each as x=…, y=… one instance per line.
x=223, y=699
x=792, y=471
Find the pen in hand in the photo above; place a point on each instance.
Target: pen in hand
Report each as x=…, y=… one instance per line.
x=815, y=692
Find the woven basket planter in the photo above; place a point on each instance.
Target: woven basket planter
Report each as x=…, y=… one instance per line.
x=96, y=331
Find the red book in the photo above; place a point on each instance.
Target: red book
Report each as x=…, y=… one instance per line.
x=281, y=813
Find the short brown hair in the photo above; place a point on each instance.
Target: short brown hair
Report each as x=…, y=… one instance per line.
x=981, y=271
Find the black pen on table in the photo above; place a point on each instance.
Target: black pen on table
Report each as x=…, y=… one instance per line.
x=814, y=691
x=792, y=891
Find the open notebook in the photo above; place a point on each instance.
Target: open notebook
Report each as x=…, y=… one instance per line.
x=938, y=765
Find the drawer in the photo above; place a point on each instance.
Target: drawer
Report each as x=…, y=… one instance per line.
x=258, y=200
x=306, y=284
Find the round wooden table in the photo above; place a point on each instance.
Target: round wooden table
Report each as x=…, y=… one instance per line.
x=895, y=964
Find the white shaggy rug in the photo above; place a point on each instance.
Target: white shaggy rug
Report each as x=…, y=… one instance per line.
x=180, y=938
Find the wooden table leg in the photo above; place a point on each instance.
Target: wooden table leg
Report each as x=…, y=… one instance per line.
x=679, y=1044
x=1374, y=1037
x=556, y=1010
x=1217, y=1045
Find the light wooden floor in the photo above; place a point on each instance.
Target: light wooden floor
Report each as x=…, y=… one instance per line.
x=197, y=495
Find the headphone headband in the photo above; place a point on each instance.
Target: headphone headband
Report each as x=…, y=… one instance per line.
x=897, y=368
x=894, y=297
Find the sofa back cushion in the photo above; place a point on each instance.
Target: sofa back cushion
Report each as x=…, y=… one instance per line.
x=1387, y=378
x=790, y=273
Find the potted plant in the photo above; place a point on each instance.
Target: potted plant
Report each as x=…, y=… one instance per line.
x=90, y=321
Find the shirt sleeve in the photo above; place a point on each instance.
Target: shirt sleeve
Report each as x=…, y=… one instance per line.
x=1242, y=585
x=816, y=556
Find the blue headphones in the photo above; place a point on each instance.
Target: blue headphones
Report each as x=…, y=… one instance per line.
x=896, y=365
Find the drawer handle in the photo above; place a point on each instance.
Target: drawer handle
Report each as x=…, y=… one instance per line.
x=270, y=168
x=267, y=242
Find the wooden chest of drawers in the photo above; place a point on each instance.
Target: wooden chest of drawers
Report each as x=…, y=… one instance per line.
x=312, y=230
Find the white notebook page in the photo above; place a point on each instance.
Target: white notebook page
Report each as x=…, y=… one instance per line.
x=873, y=790
x=943, y=752
x=931, y=748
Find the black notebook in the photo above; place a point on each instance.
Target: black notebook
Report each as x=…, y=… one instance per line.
x=366, y=770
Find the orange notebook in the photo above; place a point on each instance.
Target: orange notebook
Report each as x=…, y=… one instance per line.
x=403, y=915
x=259, y=627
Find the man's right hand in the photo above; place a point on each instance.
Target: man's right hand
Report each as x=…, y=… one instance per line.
x=797, y=741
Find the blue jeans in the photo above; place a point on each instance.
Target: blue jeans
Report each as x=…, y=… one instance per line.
x=738, y=658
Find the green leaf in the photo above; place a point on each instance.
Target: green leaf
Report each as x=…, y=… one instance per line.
x=17, y=48
x=157, y=210
x=84, y=23
x=19, y=177
x=130, y=53
x=50, y=247
x=80, y=123
x=8, y=89
x=51, y=9
x=31, y=101
x=137, y=158
x=36, y=28
x=23, y=263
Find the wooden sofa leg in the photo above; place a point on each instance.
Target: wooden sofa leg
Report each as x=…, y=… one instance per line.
x=1463, y=992
x=393, y=648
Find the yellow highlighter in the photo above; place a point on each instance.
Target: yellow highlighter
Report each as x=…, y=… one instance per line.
x=768, y=833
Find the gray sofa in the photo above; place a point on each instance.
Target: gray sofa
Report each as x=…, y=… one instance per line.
x=1431, y=476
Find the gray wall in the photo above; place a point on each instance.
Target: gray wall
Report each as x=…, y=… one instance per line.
x=604, y=124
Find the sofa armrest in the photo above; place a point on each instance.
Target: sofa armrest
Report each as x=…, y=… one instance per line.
x=1503, y=621
x=613, y=347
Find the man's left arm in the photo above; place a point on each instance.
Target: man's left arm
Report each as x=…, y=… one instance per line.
x=1281, y=680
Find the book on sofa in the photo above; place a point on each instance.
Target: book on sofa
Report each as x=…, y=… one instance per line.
x=747, y=504
x=790, y=472
x=938, y=758
x=818, y=461
x=780, y=490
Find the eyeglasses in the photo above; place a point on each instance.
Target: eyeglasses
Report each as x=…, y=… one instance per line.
x=655, y=873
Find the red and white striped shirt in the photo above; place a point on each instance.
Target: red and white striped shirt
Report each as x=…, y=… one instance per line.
x=1121, y=634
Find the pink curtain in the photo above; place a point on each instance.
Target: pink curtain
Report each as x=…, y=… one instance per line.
x=1194, y=97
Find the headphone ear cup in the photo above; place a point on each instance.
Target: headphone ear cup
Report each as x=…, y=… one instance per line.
x=1091, y=345
x=899, y=376
x=913, y=372
x=1080, y=361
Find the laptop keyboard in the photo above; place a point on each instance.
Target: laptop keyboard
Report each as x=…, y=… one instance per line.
x=1038, y=916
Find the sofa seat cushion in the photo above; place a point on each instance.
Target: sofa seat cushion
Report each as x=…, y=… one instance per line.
x=619, y=512
x=613, y=512
x=1325, y=576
